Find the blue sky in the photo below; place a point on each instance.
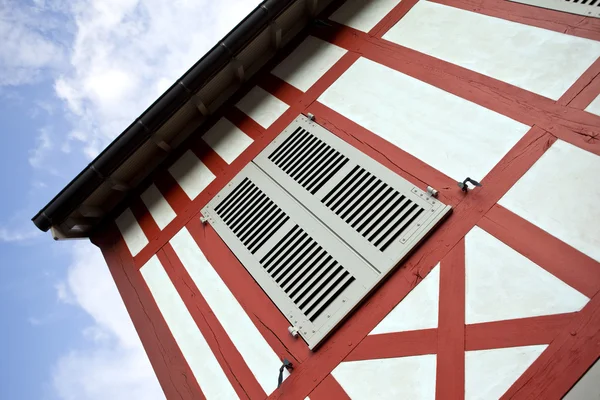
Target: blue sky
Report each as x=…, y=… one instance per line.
x=73, y=74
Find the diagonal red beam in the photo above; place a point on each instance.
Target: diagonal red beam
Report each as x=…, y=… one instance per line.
x=515, y=332
x=563, y=261
x=246, y=124
x=397, y=344
x=574, y=126
x=230, y=360
x=171, y=368
x=144, y=218
x=565, y=360
x=584, y=90
x=450, y=375
x=404, y=164
x=392, y=18
x=570, y=24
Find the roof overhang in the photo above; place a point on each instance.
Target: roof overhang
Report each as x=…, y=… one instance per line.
x=97, y=190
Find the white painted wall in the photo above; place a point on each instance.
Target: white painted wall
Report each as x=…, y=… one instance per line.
x=535, y=59
x=191, y=174
x=260, y=358
x=389, y=378
x=193, y=346
x=262, y=106
x=308, y=62
x=363, y=14
x=132, y=232
x=227, y=140
x=490, y=373
x=445, y=131
x=157, y=205
x=503, y=284
x=594, y=106
x=560, y=194
x=418, y=310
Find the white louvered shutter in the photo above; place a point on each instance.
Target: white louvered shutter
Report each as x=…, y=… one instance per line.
x=319, y=224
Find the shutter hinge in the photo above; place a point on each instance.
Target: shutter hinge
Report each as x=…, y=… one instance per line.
x=203, y=219
x=293, y=331
x=310, y=116
x=432, y=192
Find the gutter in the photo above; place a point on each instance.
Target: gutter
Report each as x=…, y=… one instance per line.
x=136, y=134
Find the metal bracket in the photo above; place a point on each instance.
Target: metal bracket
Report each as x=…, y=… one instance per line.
x=286, y=365
x=463, y=185
x=203, y=219
x=311, y=116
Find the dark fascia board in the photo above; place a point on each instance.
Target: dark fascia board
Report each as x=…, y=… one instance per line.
x=88, y=180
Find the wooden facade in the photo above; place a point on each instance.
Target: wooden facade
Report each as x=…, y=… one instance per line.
x=502, y=300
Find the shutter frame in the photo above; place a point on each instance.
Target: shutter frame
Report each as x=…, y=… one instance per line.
x=310, y=237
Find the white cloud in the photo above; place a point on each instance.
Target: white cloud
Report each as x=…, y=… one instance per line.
x=26, y=49
x=114, y=365
x=127, y=52
x=17, y=235
x=123, y=55
x=42, y=147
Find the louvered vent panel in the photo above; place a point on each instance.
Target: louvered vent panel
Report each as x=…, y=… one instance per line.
x=308, y=160
x=371, y=207
x=318, y=224
x=310, y=275
x=374, y=210
x=251, y=215
x=589, y=8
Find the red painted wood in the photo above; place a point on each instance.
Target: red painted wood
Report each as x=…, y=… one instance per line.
x=396, y=159
x=564, y=122
x=329, y=389
x=328, y=78
x=561, y=260
x=565, y=360
x=578, y=90
x=246, y=124
x=450, y=364
x=392, y=18
x=571, y=24
x=173, y=372
x=209, y=157
x=397, y=344
x=574, y=126
x=172, y=192
x=281, y=89
x=144, y=218
x=263, y=313
x=466, y=214
x=232, y=363
x=516, y=332
x=186, y=208
x=587, y=95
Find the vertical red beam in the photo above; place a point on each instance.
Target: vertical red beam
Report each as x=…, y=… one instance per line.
x=450, y=382
x=230, y=360
x=171, y=368
x=144, y=218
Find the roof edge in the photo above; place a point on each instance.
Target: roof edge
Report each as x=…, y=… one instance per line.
x=143, y=127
